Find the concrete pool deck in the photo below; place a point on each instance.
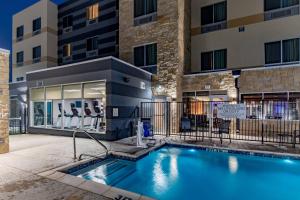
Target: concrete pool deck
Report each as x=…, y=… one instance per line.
x=28, y=171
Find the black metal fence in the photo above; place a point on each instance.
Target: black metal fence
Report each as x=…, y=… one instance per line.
x=265, y=121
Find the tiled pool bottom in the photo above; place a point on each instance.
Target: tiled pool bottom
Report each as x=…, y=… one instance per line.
x=186, y=173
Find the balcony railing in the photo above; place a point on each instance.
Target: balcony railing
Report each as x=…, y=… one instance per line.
x=282, y=12
x=214, y=27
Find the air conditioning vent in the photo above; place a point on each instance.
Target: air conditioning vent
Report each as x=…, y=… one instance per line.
x=20, y=64
x=20, y=38
x=145, y=19
x=92, y=53
x=36, y=60
x=68, y=29
x=284, y=12
x=36, y=32
x=214, y=27
x=92, y=21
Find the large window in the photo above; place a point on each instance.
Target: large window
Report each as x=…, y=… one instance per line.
x=92, y=44
x=67, y=50
x=214, y=60
x=20, y=32
x=36, y=54
x=69, y=107
x=214, y=13
x=286, y=51
x=144, y=7
x=20, y=58
x=146, y=57
x=68, y=21
x=277, y=4
x=36, y=25
x=92, y=12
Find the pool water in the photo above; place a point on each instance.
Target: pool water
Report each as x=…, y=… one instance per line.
x=183, y=173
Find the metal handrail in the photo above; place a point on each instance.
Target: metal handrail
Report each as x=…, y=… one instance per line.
x=90, y=136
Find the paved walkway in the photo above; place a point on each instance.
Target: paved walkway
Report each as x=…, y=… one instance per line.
x=32, y=154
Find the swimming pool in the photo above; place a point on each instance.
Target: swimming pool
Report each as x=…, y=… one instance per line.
x=186, y=173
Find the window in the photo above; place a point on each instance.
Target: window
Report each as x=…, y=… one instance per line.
x=36, y=25
x=285, y=51
x=146, y=56
x=36, y=53
x=92, y=44
x=68, y=21
x=92, y=12
x=277, y=4
x=20, y=57
x=20, y=32
x=214, y=13
x=214, y=60
x=144, y=7
x=19, y=79
x=67, y=50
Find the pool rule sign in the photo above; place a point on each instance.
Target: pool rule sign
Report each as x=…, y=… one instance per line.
x=230, y=111
x=4, y=98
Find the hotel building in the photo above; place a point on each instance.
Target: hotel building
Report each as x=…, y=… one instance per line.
x=234, y=50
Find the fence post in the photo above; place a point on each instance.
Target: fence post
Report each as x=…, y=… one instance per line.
x=262, y=129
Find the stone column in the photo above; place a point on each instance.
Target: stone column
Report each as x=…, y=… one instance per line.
x=4, y=98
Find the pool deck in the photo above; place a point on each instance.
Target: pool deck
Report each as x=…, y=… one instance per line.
x=31, y=170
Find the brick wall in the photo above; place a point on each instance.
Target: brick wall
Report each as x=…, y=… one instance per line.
x=4, y=97
x=168, y=32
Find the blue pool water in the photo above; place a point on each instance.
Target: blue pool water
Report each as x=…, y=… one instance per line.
x=183, y=173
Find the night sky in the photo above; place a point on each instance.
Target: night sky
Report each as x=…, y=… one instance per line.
x=7, y=9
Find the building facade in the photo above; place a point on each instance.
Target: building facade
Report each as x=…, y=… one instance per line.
x=87, y=30
x=154, y=35
x=4, y=100
x=245, y=50
x=34, y=39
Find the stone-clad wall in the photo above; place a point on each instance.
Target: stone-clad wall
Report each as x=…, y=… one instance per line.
x=222, y=81
x=270, y=80
x=4, y=97
x=167, y=32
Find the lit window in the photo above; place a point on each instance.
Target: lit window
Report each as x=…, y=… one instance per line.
x=92, y=12
x=67, y=50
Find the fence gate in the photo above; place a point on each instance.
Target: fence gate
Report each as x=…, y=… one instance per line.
x=273, y=122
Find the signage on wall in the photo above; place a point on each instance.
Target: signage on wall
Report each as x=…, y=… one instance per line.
x=143, y=85
x=115, y=112
x=231, y=111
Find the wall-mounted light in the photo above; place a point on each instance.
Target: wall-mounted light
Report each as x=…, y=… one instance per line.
x=126, y=79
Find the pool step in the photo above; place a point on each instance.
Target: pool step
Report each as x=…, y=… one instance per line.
x=111, y=171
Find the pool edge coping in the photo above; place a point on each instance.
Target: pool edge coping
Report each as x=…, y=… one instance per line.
x=60, y=174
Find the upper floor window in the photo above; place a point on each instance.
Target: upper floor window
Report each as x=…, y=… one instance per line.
x=214, y=60
x=36, y=25
x=20, y=58
x=146, y=57
x=67, y=50
x=92, y=44
x=144, y=11
x=214, y=17
x=68, y=21
x=92, y=12
x=36, y=54
x=280, y=8
x=282, y=52
x=20, y=32
x=19, y=79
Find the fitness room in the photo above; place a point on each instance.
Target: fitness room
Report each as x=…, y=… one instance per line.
x=98, y=96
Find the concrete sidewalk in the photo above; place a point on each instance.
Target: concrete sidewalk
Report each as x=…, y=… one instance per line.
x=33, y=154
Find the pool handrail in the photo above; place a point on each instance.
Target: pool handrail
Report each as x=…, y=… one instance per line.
x=90, y=136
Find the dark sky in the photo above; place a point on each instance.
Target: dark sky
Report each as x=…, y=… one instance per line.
x=7, y=9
